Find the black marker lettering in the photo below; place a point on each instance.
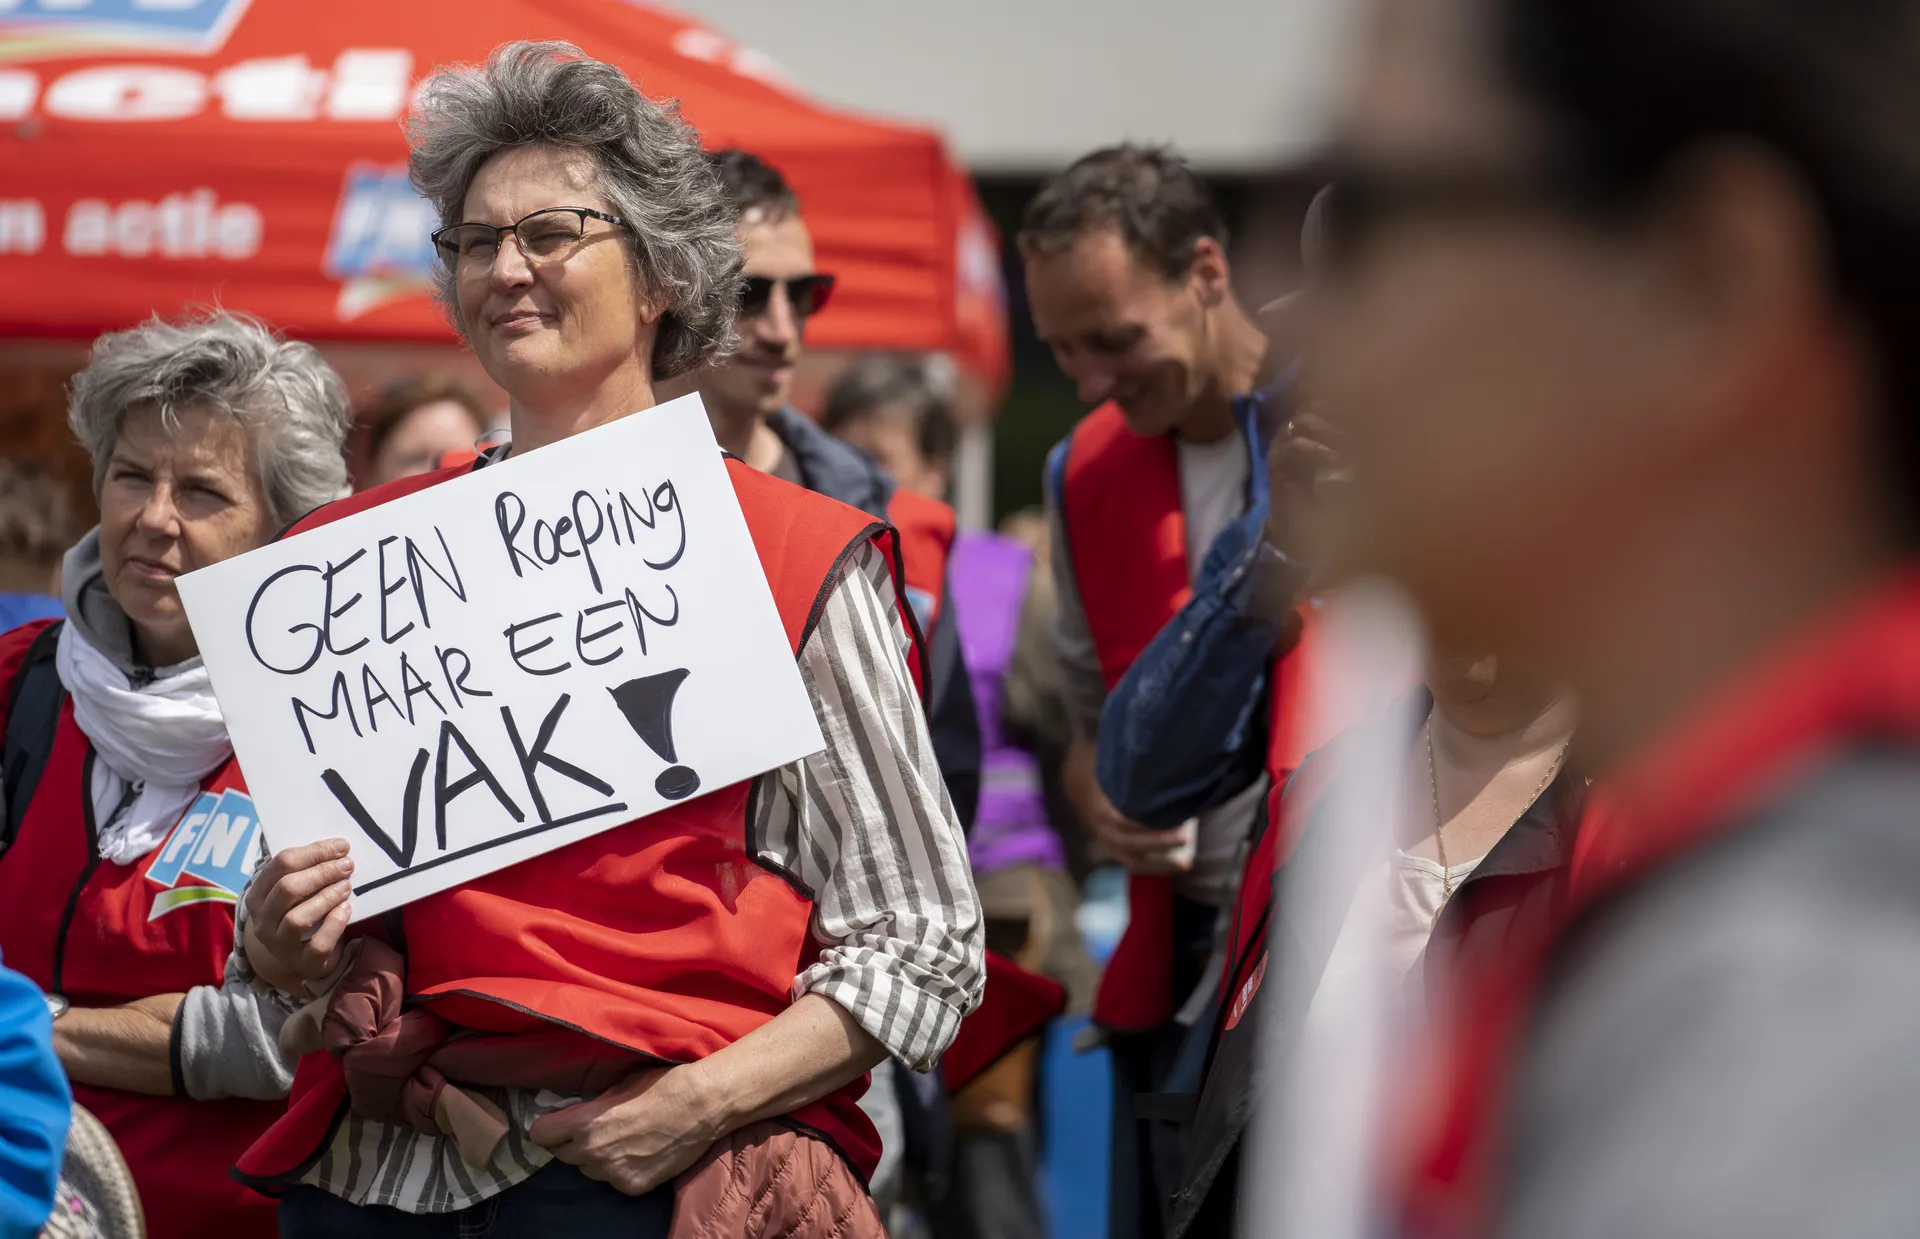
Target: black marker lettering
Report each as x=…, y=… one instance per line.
x=666, y=499
x=530, y=759
x=639, y=612
x=332, y=612
x=510, y=531
x=387, y=591
x=416, y=561
x=444, y=792
x=253, y=645
x=413, y=684
x=456, y=681
x=582, y=639
x=342, y=699
x=586, y=540
x=368, y=683
x=520, y=656
x=402, y=853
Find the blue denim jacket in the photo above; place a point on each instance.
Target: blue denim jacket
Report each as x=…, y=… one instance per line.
x=1186, y=727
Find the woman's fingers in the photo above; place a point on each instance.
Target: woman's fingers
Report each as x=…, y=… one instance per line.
x=298, y=886
x=298, y=904
x=324, y=947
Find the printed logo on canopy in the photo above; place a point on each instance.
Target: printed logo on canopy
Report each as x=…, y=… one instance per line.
x=53, y=27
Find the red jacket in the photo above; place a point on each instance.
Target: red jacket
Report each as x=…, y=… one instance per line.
x=105, y=934
x=1856, y=678
x=662, y=936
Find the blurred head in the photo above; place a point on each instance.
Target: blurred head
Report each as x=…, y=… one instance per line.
x=898, y=409
x=1594, y=264
x=781, y=289
x=36, y=528
x=1127, y=274
x=628, y=259
x=207, y=437
x=415, y=423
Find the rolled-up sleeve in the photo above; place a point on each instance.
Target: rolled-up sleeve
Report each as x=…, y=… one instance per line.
x=867, y=826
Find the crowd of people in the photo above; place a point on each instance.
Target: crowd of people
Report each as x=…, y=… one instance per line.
x=1597, y=354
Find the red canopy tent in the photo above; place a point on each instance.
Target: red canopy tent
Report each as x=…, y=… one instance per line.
x=249, y=152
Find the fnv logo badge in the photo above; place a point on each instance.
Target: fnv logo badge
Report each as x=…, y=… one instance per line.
x=52, y=27
x=214, y=842
x=381, y=247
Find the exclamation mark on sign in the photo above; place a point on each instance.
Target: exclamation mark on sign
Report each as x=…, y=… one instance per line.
x=648, y=705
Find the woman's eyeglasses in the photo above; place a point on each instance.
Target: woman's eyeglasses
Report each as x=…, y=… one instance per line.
x=807, y=294
x=544, y=234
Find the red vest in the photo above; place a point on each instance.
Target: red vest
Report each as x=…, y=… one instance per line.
x=1127, y=537
x=1858, y=677
x=925, y=527
x=105, y=934
x=663, y=936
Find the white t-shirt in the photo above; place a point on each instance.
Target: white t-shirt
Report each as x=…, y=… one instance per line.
x=1213, y=494
x=1406, y=894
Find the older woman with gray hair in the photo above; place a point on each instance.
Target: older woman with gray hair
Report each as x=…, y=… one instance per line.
x=128, y=829
x=727, y=1009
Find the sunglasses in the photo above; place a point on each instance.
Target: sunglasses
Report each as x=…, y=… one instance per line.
x=807, y=294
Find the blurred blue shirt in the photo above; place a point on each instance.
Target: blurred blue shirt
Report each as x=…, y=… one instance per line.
x=17, y=609
x=35, y=1105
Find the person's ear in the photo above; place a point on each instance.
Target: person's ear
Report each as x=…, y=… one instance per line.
x=1209, y=274
x=1737, y=279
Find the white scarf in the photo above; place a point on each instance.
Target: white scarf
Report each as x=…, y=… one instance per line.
x=163, y=739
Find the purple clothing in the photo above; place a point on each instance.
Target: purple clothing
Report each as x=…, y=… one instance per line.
x=987, y=581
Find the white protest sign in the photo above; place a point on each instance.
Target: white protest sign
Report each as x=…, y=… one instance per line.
x=506, y=662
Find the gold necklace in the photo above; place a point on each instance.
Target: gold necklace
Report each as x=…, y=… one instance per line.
x=1439, y=832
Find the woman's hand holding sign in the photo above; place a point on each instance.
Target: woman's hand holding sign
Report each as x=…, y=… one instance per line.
x=297, y=910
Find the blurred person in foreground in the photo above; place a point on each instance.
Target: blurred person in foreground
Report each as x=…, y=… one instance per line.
x=36, y=528
x=897, y=409
x=419, y=425
x=1127, y=275
x=1621, y=331
x=818, y=919
x=748, y=398
x=207, y=436
x=1487, y=826
x=35, y=1104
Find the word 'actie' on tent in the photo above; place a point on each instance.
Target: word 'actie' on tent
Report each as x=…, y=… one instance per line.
x=161, y=153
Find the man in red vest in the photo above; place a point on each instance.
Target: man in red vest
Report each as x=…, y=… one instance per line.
x=749, y=402
x=1128, y=280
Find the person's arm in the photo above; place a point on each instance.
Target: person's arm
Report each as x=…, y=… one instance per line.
x=226, y=1037
x=866, y=825
x=1185, y=728
x=35, y=1105
x=644, y=1132
x=126, y=1047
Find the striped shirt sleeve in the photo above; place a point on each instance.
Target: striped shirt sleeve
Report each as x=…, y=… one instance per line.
x=867, y=827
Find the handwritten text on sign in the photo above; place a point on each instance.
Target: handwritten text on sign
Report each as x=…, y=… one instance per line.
x=506, y=662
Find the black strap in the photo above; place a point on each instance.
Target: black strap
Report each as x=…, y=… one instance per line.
x=1166, y=1107
x=33, y=713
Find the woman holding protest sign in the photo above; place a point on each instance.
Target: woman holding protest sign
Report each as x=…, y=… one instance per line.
x=129, y=831
x=587, y=254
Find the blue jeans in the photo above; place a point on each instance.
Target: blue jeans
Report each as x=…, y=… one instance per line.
x=556, y=1200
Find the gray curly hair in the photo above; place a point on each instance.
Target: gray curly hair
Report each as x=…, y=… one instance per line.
x=651, y=171
x=290, y=402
